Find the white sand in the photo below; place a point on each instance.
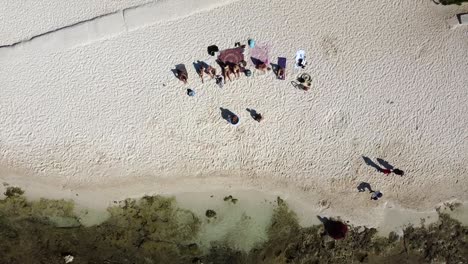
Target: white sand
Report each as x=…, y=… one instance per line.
x=94, y=109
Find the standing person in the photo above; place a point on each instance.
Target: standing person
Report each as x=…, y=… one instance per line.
x=386, y=171
x=376, y=195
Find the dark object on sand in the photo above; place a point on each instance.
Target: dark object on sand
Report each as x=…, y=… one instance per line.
x=258, y=117
x=398, y=172
x=251, y=43
x=281, y=68
x=231, y=57
x=190, y=92
x=248, y=73
x=210, y=213
x=233, y=119
x=335, y=229
x=212, y=49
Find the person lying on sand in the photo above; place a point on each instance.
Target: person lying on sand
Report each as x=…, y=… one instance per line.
x=227, y=73
x=211, y=71
x=263, y=67
x=280, y=73
x=236, y=70
x=181, y=75
x=201, y=73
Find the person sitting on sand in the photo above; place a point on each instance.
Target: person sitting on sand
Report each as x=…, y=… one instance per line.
x=233, y=119
x=305, y=86
x=236, y=70
x=263, y=67
x=182, y=76
x=227, y=73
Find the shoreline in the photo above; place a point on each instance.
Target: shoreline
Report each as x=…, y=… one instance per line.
x=383, y=215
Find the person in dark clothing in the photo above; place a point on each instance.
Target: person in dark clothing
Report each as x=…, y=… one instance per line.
x=396, y=171
x=376, y=195
x=258, y=117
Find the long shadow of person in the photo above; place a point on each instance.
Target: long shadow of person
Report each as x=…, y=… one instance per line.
x=363, y=186
x=369, y=162
x=385, y=164
x=335, y=229
x=252, y=112
x=256, y=61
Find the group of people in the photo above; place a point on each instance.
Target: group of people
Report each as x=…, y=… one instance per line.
x=229, y=69
x=375, y=195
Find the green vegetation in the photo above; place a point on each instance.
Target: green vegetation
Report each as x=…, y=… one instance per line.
x=154, y=230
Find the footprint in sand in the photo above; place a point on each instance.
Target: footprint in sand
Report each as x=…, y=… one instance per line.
x=338, y=122
x=329, y=46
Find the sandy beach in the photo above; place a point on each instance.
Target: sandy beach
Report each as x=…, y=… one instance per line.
x=90, y=109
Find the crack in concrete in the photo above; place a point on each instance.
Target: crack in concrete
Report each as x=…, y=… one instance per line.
x=112, y=24
x=57, y=29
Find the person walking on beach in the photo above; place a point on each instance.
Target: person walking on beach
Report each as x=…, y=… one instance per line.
x=376, y=195
x=396, y=171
